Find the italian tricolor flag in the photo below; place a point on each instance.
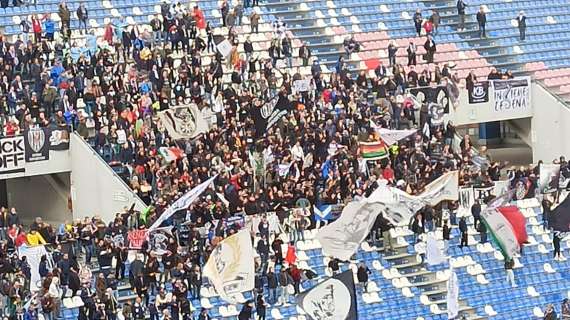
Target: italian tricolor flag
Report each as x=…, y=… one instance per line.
x=374, y=150
x=507, y=226
x=171, y=154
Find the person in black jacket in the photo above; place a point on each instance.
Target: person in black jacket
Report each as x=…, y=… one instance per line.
x=521, y=21
x=463, y=229
x=260, y=307
x=272, y=286
x=418, y=21
x=461, y=13
x=482, y=20
x=305, y=54
x=246, y=311
x=204, y=315
x=446, y=235
x=482, y=233
x=82, y=15
x=74, y=282
x=431, y=48
x=556, y=245
x=476, y=213
x=362, y=275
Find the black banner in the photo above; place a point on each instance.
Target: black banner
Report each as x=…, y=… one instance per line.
x=431, y=95
x=270, y=113
x=479, y=92
x=36, y=144
x=59, y=139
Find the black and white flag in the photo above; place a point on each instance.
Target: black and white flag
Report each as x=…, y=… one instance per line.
x=479, y=92
x=270, y=113
x=549, y=178
x=332, y=299
x=37, y=144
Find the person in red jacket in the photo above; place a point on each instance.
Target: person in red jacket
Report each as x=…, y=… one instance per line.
x=296, y=276
x=37, y=28
x=199, y=17
x=108, y=36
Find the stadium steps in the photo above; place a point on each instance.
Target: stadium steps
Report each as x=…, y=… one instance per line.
x=431, y=286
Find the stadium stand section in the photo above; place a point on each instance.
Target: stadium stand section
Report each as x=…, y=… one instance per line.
x=402, y=286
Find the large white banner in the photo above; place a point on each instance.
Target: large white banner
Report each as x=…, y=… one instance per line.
x=12, y=155
x=230, y=267
x=33, y=256
x=445, y=187
x=183, y=202
x=452, y=296
x=341, y=238
x=511, y=95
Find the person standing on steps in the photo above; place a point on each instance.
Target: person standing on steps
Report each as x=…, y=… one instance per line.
x=435, y=20
x=461, y=13
x=412, y=54
x=482, y=20
x=556, y=245
x=463, y=229
x=509, y=264
x=430, y=47
x=418, y=21
x=521, y=21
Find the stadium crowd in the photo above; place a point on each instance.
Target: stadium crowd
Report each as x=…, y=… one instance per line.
x=111, y=94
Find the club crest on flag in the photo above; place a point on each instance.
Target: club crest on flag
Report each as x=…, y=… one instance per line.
x=36, y=138
x=328, y=301
x=332, y=299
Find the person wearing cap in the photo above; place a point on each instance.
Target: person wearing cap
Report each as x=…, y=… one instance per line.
x=521, y=22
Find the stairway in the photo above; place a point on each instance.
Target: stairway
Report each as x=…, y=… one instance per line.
x=497, y=54
x=318, y=36
x=408, y=270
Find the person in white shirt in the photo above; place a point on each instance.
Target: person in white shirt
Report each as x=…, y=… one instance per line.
x=297, y=151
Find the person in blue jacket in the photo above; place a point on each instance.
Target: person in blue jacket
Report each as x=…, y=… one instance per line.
x=49, y=27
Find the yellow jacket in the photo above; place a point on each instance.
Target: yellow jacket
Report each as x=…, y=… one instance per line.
x=35, y=239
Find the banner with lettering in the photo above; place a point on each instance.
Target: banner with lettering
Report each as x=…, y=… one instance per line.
x=12, y=155
x=479, y=92
x=137, y=238
x=512, y=95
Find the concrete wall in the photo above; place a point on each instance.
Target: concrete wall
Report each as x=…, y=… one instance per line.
x=59, y=161
x=550, y=126
x=43, y=196
x=95, y=188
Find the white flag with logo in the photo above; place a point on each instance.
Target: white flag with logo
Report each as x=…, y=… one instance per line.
x=183, y=202
x=452, y=296
x=398, y=206
x=230, y=267
x=341, y=238
x=393, y=136
x=445, y=187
